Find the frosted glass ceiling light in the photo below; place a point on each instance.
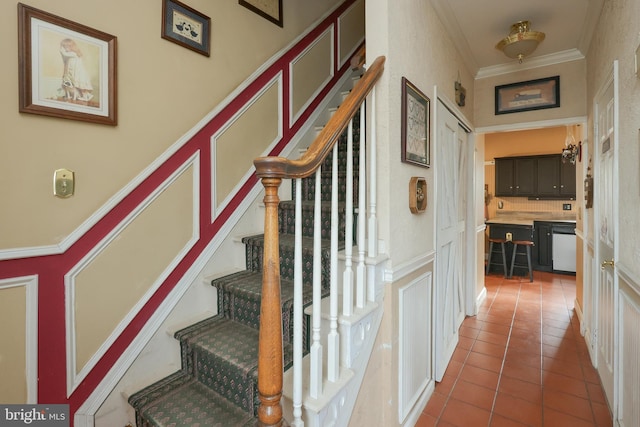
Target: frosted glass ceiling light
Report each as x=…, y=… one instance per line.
x=521, y=41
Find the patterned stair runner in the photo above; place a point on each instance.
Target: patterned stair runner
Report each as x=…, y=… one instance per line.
x=217, y=384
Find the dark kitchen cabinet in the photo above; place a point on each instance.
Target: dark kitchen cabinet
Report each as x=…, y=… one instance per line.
x=543, y=246
x=515, y=176
x=536, y=177
x=548, y=173
x=568, y=180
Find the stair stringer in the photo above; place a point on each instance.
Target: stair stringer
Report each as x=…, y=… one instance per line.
x=358, y=334
x=142, y=363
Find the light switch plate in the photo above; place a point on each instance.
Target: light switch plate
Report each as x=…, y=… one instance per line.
x=63, y=183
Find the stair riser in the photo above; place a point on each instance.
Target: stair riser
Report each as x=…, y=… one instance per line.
x=287, y=221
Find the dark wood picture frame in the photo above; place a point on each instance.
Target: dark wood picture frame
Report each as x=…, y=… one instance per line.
x=268, y=9
x=415, y=122
x=186, y=26
x=528, y=95
x=66, y=69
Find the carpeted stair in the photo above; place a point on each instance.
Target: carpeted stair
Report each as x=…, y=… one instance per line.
x=217, y=385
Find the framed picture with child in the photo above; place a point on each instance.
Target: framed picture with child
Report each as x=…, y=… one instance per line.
x=66, y=69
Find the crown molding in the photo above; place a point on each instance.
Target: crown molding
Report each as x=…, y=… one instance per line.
x=536, y=62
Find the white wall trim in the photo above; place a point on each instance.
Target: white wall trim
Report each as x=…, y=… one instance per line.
x=532, y=125
x=344, y=58
x=216, y=209
x=294, y=116
x=629, y=277
x=406, y=268
x=482, y=295
x=31, y=327
x=535, y=62
x=74, y=378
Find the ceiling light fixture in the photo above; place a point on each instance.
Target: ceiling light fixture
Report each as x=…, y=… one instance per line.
x=521, y=41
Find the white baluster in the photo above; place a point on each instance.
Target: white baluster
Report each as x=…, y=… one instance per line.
x=315, y=381
x=333, y=339
x=297, y=312
x=373, y=220
x=347, y=277
x=362, y=191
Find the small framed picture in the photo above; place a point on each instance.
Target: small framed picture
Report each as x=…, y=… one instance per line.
x=414, y=133
x=268, y=9
x=186, y=26
x=66, y=69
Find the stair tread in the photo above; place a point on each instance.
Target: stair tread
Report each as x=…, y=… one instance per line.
x=288, y=241
x=180, y=400
x=249, y=285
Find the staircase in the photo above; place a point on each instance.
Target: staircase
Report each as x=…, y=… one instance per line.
x=218, y=382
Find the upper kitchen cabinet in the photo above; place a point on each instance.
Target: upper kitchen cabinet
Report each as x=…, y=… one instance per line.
x=555, y=178
x=515, y=176
x=535, y=177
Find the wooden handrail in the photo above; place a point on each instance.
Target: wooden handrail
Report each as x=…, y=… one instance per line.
x=272, y=170
x=280, y=167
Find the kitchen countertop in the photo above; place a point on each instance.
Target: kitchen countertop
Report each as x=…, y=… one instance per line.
x=528, y=218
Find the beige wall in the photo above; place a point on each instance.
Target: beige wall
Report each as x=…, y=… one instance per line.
x=573, y=101
x=163, y=91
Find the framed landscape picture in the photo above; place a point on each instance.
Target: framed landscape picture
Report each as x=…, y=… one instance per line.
x=529, y=95
x=66, y=69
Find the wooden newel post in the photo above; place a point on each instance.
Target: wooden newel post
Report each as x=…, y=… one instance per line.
x=270, y=364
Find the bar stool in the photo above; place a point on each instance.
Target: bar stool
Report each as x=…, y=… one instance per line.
x=523, y=243
x=504, y=254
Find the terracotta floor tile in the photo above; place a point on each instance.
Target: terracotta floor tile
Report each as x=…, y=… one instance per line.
x=460, y=354
x=564, y=384
x=496, y=328
x=485, y=361
x=568, y=404
x=464, y=414
x=435, y=405
x=602, y=414
x=495, y=350
x=465, y=342
x=469, y=332
x=454, y=368
x=564, y=333
x=564, y=353
x=426, y=420
x=444, y=387
x=521, y=389
x=521, y=372
x=561, y=367
x=596, y=394
x=514, y=356
x=553, y=418
x=526, y=346
x=500, y=320
x=500, y=339
x=498, y=420
x=528, y=334
x=479, y=376
x=474, y=394
x=518, y=409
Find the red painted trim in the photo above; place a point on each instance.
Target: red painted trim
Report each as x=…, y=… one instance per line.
x=51, y=269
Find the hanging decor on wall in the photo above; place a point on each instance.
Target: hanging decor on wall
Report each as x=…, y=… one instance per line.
x=528, y=95
x=414, y=133
x=461, y=92
x=67, y=69
x=186, y=26
x=269, y=9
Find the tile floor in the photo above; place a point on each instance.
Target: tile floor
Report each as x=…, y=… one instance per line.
x=521, y=362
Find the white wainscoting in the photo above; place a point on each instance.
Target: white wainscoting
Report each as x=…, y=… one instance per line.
x=415, y=342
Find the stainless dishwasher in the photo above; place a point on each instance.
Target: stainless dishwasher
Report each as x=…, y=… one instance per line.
x=564, y=248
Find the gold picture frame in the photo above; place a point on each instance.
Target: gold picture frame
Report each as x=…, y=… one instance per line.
x=66, y=69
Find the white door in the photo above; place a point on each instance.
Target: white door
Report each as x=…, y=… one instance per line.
x=451, y=169
x=605, y=206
